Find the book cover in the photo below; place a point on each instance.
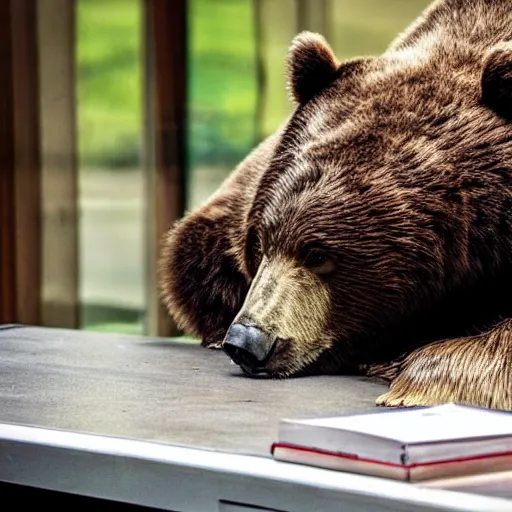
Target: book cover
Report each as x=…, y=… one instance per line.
x=406, y=444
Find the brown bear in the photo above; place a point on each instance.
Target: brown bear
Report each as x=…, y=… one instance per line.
x=373, y=232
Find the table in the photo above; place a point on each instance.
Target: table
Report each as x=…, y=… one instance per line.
x=158, y=423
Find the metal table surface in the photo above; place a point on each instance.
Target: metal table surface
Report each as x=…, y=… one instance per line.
x=171, y=425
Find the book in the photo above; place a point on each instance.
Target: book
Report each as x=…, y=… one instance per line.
x=405, y=444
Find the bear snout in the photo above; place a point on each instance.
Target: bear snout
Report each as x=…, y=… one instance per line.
x=249, y=347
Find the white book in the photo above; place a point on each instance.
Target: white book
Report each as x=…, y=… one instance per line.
x=406, y=444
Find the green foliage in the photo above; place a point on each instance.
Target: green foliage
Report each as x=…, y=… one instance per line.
x=222, y=91
x=222, y=81
x=109, y=82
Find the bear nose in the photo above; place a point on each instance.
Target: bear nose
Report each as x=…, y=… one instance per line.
x=247, y=346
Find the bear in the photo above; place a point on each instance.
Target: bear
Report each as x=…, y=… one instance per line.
x=372, y=233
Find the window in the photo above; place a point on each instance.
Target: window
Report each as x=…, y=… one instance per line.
x=111, y=187
x=121, y=114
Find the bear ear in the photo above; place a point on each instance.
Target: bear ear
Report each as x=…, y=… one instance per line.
x=311, y=66
x=496, y=79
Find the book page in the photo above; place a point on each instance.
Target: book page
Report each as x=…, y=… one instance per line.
x=442, y=423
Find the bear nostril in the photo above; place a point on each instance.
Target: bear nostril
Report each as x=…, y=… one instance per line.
x=247, y=346
x=241, y=357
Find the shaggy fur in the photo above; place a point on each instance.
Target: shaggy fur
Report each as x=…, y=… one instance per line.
x=387, y=195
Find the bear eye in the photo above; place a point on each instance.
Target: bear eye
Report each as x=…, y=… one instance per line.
x=319, y=262
x=253, y=252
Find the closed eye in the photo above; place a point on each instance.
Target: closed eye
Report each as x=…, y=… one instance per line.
x=253, y=252
x=318, y=261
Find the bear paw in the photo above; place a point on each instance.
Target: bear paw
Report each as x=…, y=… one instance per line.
x=474, y=371
x=387, y=371
x=397, y=399
x=213, y=341
x=215, y=345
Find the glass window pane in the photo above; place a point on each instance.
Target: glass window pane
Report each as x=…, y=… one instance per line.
x=222, y=91
x=367, y=27
x=231, y=107
x=111, y=182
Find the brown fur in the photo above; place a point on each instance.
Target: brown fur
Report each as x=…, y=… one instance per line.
x=474, y=370
x=398, y=169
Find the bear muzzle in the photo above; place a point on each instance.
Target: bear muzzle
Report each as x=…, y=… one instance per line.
x=249, y=347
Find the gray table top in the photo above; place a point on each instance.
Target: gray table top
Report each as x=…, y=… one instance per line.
x=148, y=389
x=157, y=389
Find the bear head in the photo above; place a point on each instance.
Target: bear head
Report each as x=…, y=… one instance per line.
x=379, y=197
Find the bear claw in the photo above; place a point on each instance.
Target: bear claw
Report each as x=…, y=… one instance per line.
x=213, y=342
x=388, y=400
x=215, y=345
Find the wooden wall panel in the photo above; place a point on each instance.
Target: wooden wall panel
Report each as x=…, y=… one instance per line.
x=27, y=186
x=7, y=232
x=165, y=36
x=56, y=36
x=19, y=164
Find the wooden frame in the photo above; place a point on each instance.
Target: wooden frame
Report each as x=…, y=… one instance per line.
x=27, y=193
x=38, y=282
x=165, y=37
x=7, y=231
x=56, y=42
x=20, y=276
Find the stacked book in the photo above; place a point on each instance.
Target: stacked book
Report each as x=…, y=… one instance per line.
x=406, y=444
